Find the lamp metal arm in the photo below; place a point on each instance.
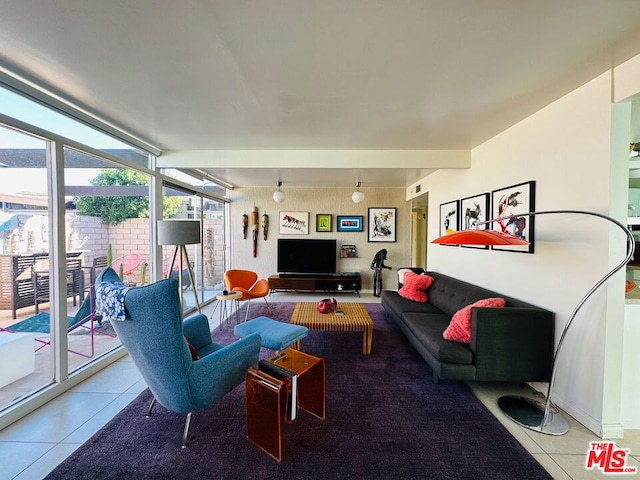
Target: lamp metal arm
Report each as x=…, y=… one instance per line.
x=628, y=257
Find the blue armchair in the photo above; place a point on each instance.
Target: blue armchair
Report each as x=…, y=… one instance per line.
x=184, y=370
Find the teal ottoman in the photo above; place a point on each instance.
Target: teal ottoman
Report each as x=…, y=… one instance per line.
x=275, y=335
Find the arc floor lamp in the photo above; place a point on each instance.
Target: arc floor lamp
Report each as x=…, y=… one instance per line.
x=180, y=233
x=528, y=412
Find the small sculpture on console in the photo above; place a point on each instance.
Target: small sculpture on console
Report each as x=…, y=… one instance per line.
x=377, y=264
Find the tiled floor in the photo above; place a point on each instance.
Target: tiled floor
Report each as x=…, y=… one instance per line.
x=33, y=446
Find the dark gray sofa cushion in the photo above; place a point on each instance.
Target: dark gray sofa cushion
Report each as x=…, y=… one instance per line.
x=428, y=329
x=396, y=305
x=450, y=294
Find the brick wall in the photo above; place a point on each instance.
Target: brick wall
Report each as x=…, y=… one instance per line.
x=132, y=237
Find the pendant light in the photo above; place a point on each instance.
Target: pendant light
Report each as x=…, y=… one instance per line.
x=278, y=195
x=357, y=196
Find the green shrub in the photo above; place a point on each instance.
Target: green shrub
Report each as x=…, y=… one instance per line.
x=115, y=209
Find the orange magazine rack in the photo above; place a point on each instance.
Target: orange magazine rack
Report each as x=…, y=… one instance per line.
x=267, y=398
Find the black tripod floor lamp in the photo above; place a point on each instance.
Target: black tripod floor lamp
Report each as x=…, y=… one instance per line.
x=181, y=233
x=525, y=411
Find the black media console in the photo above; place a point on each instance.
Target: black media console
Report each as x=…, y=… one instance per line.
x=351, y=282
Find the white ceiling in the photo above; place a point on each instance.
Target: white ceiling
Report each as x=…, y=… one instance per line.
x=314, y=74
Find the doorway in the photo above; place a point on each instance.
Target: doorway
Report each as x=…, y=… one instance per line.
x=419, y=216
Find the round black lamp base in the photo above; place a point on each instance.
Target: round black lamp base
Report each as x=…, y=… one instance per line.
x=529, y=413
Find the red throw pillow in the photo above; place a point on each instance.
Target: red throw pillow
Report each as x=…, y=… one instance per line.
x=459, y=329
x=193, y=352
x=415, y=286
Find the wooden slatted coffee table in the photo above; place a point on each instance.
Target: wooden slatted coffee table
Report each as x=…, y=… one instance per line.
x=355, y=319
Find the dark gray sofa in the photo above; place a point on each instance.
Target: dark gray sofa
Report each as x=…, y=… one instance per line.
x=514, y=343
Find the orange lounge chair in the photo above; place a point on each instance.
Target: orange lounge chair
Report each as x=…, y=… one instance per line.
x=246, y=282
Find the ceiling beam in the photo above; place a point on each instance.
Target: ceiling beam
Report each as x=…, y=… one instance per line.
x=347, y=159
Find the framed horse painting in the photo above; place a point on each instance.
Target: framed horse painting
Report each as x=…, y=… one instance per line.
x=506, y=206
x=294, y=223
x=473, y=211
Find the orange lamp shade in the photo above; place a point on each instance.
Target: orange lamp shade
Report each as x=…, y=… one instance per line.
x=479, y=237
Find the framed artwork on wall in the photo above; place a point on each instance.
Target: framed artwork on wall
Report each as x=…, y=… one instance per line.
x=294, y=223
x=474, y=210
x=323, y=222
x=382, y=224
x=514, y=200
x=348, y=251
x=349, y=223
x=449, y=217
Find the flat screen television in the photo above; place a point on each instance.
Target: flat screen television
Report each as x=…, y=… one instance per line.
x=306, y=256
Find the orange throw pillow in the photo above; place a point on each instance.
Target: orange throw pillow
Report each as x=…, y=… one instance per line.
x=415, y=286
x=459, y=329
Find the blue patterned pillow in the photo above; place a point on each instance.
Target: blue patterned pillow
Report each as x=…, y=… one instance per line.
x=110, y=300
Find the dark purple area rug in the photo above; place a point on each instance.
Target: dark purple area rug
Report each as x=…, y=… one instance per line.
x=385, y=419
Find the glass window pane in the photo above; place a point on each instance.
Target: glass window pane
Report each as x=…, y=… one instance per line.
x=206, y=259
x=195, y=181
x=213, y=219
x=26, y=110
x=24, y=236
x=107, y=222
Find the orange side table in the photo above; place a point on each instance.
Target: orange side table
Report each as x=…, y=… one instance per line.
x=266, y=397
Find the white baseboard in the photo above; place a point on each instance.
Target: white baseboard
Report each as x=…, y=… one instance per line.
x=611, y=431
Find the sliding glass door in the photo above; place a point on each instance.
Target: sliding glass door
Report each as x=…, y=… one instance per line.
x=207, y=258
x=72, y=201
x=106, y=224
x=47, y=298
x=25, y=324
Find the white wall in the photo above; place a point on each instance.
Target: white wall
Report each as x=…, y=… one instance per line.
x=565, y=148
x=626, y=89
x=319, y=201
x=630, y=381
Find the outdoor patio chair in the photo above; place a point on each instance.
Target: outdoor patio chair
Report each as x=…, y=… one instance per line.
x=96, y=267
x=40, y=323
x=40, y=277
x=129, y=263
